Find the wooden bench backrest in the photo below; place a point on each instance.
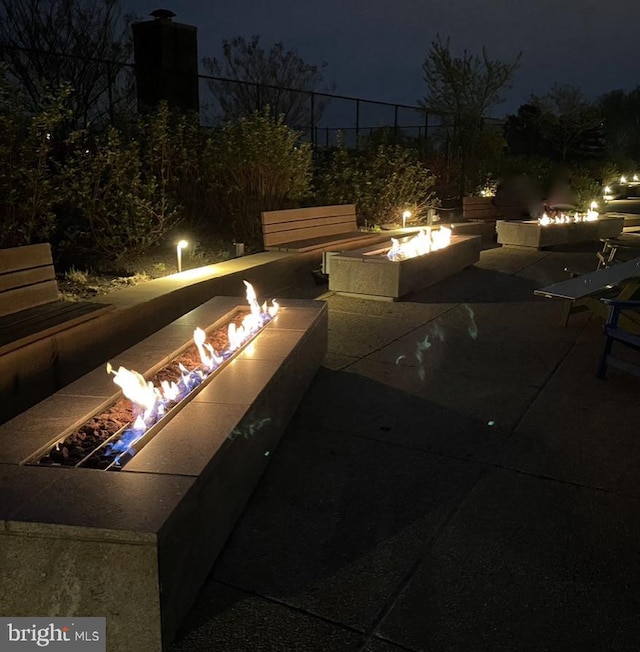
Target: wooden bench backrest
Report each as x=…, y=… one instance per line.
x=484, y=208
x=281, y=227
x=478, y=208
x=27, y=278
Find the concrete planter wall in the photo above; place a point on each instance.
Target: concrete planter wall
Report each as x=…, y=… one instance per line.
x=368, y=273
x=531, y=234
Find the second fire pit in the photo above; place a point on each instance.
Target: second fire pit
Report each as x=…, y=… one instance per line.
x=368, y=273
x=530, y=233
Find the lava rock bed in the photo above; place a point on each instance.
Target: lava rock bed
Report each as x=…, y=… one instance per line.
x=79, y=444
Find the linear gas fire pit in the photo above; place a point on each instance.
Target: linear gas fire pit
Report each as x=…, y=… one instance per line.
x=135, y=545
x=369, y=273
x=531, y=233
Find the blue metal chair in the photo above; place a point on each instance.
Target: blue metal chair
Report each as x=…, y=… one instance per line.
x=614, y=333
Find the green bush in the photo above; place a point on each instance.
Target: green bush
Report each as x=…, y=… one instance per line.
x=113, y=206
x=171, y=146
x=257, y=164
x=27, y=182
x=585, y=187
x=383, y=182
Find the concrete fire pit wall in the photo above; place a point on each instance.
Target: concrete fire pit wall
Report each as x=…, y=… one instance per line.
x=531, y=234
x=136, y=545
x=372, y=275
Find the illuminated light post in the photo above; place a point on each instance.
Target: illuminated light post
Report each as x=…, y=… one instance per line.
x=179, y=247
x=405, y=216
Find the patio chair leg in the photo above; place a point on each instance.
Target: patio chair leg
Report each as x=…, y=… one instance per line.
x=602, y=364
x=567, y=306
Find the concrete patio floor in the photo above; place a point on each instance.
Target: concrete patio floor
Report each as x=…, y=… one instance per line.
x=456, y=478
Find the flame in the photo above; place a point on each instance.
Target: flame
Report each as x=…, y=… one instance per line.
x=425, y=241
x=234, y=334
x=170, y=391
x=252, y=300
x=135, y=388
x=208, y=356
x=563, y=218
x=152, y=402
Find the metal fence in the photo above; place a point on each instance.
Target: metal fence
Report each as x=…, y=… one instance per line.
x=329, y=119
x=323, y=119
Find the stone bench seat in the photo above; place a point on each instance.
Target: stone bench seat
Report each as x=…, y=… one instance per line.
x=28, y=326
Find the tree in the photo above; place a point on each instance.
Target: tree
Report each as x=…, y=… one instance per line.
x=523, y=132
x=466, y=86
x=254, y=78
x=48, y=44
x=621, y=113
x=570, y=125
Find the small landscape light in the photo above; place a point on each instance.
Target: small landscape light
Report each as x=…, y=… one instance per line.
x=405, y=216
x=179, y=247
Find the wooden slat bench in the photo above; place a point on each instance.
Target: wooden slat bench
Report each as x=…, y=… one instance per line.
x=484, y=209
x=30, y=308
x=315, y=228
x=620, y=282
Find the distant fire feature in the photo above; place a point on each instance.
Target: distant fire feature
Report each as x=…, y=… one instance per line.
x=424, y=242
x=565, y=218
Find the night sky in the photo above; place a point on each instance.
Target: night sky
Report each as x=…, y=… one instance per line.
x=375, y=49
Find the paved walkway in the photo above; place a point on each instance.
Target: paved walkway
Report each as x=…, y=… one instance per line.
x=455, y=479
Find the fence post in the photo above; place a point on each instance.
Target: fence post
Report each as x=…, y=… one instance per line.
x=395, y=124
x=312, y=120
x=425, y=140
x=110, y=94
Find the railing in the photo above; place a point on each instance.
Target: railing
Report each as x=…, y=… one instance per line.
x=324, y=119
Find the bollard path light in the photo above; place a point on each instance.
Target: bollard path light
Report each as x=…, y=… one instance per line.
x=405, y=216
x=179, y=247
